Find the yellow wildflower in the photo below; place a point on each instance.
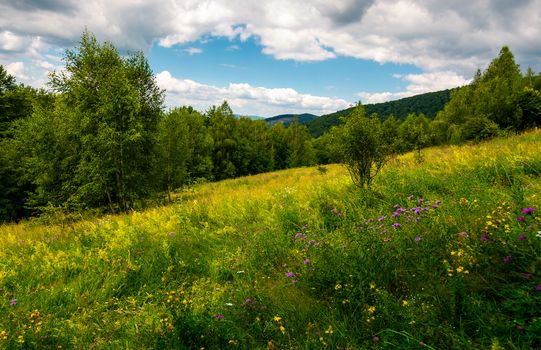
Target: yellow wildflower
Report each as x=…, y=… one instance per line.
x=277, y=318
x=371, y=309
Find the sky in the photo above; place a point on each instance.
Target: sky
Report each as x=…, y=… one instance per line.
x=279, y=56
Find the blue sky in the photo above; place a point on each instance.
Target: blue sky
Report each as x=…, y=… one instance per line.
x=279, y=56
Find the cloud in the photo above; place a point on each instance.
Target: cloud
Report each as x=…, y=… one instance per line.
x=17, y=70
x=433, y=35
x=417, y=84
x=261, y=101
x=193, y=51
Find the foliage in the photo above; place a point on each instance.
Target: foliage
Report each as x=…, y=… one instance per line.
x=443, y=254
x=361, y=148
x=428, y=104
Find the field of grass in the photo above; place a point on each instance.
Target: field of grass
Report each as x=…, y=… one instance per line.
x=445, y=254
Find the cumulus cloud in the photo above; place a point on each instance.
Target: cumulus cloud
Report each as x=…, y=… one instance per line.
x=261, y=101
x=417, y=84
x=435, y=36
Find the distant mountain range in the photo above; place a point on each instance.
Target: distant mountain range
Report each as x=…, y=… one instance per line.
x=428, y=104
x=287, y=119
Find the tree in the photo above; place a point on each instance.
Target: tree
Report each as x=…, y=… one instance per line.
x=111, y=106
x=299, y=145
x=415, y=134
x=175, y=150
x=223, y=128
x=361, y=147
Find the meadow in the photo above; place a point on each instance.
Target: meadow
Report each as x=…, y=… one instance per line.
x=443, y=254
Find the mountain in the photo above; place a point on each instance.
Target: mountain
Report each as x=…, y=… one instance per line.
x=428, y=104
x=287, y=119
x=253, y=117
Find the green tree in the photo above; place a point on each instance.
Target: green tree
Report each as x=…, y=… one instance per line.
x=175, y=150
x=300, y=151
x=361, y=148
x=223, y=128
x=113, y=106
x=415, y=134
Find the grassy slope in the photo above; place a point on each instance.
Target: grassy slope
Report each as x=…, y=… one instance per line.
x=296, y=259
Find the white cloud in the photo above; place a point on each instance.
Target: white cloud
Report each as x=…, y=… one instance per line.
x=417, y=84
x=193, y=51
x=445, y=39
x=433, y=35
x=17, y=69
x=261, y=101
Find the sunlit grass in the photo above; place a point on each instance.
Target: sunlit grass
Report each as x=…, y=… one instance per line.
x=433, y=255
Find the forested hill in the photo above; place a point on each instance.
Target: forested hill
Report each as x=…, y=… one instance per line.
x=428, y=104
x=287, y=119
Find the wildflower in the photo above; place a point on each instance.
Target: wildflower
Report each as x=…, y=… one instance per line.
x=306, y=261
x=396, y=225
x=459, y=269
x=527, y=276
x=418, y=239
x=290, y=274
x=420, y=201
x=282, y=329
x=381, y=218
x=270, y=345
x=464, y=234
x=4, y=335
x=233, y=342
x=219, y=317
x=277, y=318
x=13, y=302
x=528, y=210
x=506, y=259
x=538, y=288
x=240, y=272
x=422, y=343
x=228, y=304
x=405, y=302
x=410, y=197
x=247, y=302
x=538, y=234
x=329, y=330
x=375, y=339
x=484, y=237
x=371, y=309
x=372, y=285
x=522, y=236
x=338, y=286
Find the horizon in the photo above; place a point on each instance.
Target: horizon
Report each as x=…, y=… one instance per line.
x=272, y=59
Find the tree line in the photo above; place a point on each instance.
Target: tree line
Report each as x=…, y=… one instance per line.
x=100, y=136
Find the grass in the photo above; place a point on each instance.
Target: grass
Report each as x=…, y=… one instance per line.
x=444, y=254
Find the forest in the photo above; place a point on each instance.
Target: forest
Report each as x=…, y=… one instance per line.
x=99, y=137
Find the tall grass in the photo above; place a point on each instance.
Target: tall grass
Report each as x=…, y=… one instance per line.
x=443, y=254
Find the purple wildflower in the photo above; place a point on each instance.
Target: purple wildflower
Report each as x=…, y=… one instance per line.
x=13, y=302
x=527, y=276
x=420, y=201
x=464, y=234
x=538, y=288
x=375, y=338
x=528, y=210
x=410, y=197
x=484, y=237
x=409, y=218
x=522, y=236
x=418, y=239
x=520, y=218
x=290, y=274
x=307, y=261
x=381, y=218
x=218, y=317
x=396, y=225
x=506, y=259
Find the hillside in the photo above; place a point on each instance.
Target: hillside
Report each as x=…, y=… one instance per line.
x=287, y=119
x=443, y=254
x=428, y=104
